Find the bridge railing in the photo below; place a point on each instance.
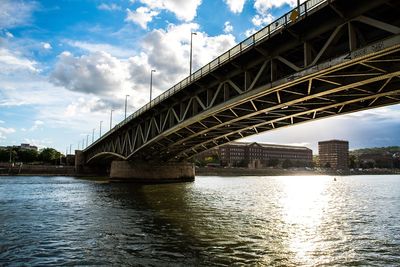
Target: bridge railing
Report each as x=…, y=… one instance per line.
x=257, y=37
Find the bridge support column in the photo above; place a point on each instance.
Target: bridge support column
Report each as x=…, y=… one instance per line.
x=143, y=172
x=79, y=161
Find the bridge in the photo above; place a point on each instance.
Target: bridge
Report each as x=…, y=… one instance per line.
x=322, y=59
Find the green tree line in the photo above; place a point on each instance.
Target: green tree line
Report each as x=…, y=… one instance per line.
x=44, y=155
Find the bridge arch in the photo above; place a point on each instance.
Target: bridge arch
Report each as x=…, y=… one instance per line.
x=105, y=157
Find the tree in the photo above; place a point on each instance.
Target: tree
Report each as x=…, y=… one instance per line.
x=286, y=164
x=49, y=155
x=273, y=162
x=352, y=162
x=328, y=165
x=27, y=155
x=4, y=155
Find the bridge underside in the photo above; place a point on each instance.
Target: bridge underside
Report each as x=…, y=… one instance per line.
x=342, y=59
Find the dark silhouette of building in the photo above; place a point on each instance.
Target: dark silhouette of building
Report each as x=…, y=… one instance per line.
x=334, y=154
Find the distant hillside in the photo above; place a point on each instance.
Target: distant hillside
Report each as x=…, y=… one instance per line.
x=376, y=150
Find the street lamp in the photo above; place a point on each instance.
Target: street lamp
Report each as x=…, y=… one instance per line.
x=191, y=53
x=151, y=82
x=93, y=135
x=87, y=140
x=100, y=129
x=111, y=118
x=126, y=102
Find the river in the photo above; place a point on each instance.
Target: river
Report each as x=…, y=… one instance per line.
x=214, y=221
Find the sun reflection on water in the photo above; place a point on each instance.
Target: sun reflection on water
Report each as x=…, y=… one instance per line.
x=304, y=203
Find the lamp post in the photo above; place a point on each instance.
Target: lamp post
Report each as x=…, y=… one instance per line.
x=151, y=82
x=87, y=140
x=111, y=118
x=93, y=135
x=100, y=129
x=70, y=149
x=126, y=103
x=191, y=54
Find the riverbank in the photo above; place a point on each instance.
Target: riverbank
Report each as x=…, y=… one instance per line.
x=204, y=171
x=228, y=172
x=52, y=170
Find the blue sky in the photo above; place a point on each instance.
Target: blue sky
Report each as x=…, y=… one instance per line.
x=65, y=64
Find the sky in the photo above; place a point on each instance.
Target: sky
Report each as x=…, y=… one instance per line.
x=65, y=64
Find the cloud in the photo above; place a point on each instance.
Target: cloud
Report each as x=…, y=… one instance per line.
x=383, y=115
x=250, y=32
x=5, y=131
x=120, y=52
x=183, y=9
x=259, y=20
x=168, y=51
x=263, y=6
x=110, y=7
x=39, y=143
x=97, y=73
x=9, y=34
x=102, y=74
x=13, y=61
x=36, y=125
x=228, y=27
x=14, y=13
x=141, y=16
x=236, y=6
x=46, y=46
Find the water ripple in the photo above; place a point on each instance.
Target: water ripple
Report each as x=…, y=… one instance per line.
x=246, y=221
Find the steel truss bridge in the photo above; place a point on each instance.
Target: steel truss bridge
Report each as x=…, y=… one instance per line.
x=328, y=58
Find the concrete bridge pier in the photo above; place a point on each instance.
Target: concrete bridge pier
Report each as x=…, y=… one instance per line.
x=79, y=161
x=145, y=172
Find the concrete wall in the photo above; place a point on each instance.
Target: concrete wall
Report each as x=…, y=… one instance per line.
x=152, y=172
x=26, y=169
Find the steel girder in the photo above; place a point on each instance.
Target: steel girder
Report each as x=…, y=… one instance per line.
x=350, y=67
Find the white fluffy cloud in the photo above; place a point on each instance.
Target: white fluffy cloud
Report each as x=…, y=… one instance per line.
x=109, y=78
x=98, y=73
x=228, y=27
x=260, y=20
x=168, y=50
x=236, y=6
x=47, y=46
x=15, y=12
x=141, y=16
x=183, y=9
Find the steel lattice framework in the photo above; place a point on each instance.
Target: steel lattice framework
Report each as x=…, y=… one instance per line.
x=340, y=57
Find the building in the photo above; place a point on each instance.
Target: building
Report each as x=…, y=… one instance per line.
x=28, y=147
x=256, y=155
x=334, y=154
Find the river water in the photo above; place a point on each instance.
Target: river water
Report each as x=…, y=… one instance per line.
x=252, y=221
